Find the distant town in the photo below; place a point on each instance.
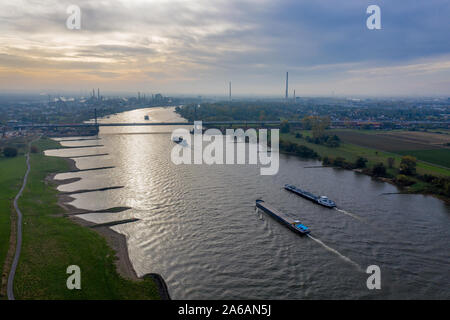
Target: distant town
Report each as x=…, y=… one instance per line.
x=17, y=111
x=377, y=114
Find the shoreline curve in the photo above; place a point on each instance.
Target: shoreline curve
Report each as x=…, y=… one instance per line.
x=116, y=240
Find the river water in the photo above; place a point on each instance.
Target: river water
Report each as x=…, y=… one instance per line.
x=198, y=227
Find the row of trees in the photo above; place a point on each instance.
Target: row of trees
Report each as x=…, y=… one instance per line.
x=318, y=126
x=407, y=165
x=341, y=162
x=332, y=141
x=407, y=172
x=298, y=149
x=9, y=152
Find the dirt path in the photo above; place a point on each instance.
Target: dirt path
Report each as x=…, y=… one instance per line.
x=12, y=272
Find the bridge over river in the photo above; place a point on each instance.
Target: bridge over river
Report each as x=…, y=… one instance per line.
x=215, y=123
x=137, y=124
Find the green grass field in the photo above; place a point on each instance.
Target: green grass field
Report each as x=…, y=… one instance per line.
x=351, y=152
x=439, y=156
x=425, y=146
x=51, y=243
x=12, y=171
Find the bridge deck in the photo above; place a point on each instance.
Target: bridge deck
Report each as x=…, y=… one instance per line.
x=206, y=123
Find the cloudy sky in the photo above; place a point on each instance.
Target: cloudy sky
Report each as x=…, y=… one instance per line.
x=197, y=46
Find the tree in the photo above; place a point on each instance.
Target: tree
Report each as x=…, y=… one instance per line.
x=391, y=162
x=339, y=162
x=285, y=127
x=332, y=141
x=298, y=149
x=361, y=162
x=34, y=149
x=262, y=115
x=447, y=189
x=379, y=170
x=319, y=125
x=316, y=124
x=10, y=152
x=404, y=180
x=408, y=165
x=307, y=123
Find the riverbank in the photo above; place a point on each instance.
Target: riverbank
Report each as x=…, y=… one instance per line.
x=115, y=240
x=188, y=236
x=346, y=155
x=430, y=179
x=53, y=241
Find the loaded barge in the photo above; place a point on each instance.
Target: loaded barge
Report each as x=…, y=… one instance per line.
x=178, y=139
x=293, y=224
x=322, y=200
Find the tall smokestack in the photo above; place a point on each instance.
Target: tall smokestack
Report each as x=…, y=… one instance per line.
x=287, y=85
x=294, y=95
x=230, y=92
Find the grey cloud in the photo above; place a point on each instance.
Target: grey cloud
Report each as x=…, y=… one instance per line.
x=218, y=39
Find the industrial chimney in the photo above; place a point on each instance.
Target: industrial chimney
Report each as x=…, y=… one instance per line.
x=287, y=85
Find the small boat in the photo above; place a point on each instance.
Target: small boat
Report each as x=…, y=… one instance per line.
x=293, y=224
x=322, y=200
x=177, y=139
x=146, y=118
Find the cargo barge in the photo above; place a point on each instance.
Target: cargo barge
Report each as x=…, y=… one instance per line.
x=178, y=139
x=293, y=224
x=322, y=200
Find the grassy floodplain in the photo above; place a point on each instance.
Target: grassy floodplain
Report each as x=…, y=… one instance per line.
x=351, y=152
x=426, y=146
x=12, y=171
x=11, y=175
x=438, y=156
x=52, y=242
x=366, y=144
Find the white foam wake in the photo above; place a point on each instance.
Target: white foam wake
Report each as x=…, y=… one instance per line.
x=350, y=214
x=336, y=252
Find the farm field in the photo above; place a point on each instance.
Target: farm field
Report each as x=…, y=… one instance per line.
x=351, y=152
x=425, y=146
x=434, y=139
x=394, y=141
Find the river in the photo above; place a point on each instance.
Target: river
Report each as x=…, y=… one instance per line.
x=199, y=229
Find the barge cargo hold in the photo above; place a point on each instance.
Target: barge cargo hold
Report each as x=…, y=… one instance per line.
x=293, y=224
x=322, y=200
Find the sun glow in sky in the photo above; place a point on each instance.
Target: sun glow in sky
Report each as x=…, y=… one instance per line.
x=197, y=46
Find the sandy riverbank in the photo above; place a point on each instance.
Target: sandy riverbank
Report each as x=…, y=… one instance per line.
x=115, y=240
